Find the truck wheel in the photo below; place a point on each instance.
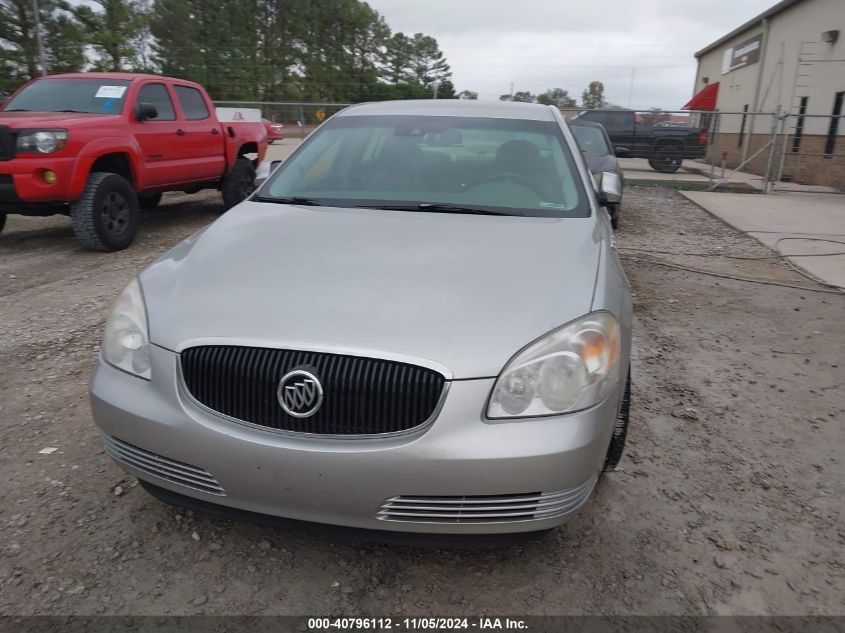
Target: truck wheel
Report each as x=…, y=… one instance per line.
x=666, y=159
x=106, y=217
x=238, y=184
x=148, y=203
x=620, y=430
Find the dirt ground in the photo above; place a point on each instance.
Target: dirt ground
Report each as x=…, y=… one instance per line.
x=729, y=498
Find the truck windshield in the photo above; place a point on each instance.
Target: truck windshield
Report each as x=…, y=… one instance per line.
x=436, y=164
x=65, y=94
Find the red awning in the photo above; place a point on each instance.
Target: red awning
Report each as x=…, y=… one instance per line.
x=705, y=99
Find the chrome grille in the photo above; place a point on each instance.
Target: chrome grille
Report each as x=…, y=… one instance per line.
x=163, y=467
x=361, y=396
x=529, y=506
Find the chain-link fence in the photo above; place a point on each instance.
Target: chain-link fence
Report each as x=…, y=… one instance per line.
x=763, y=151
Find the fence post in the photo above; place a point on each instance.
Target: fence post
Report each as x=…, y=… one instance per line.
x=767, y=176
x=714, y=137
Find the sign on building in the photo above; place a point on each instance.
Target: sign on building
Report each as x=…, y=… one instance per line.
x=741, y=55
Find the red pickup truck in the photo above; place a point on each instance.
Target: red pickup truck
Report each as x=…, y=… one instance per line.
x=102, y=146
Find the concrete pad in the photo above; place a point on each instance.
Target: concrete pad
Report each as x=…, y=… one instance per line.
x=789, y=223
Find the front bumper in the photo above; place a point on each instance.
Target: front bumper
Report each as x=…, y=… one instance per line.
x=428, y=481
x=22, y=180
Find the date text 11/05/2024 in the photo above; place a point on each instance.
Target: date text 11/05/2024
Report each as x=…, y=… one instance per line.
x=415, y=624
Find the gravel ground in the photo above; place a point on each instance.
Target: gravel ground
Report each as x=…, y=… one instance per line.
x=729, y=499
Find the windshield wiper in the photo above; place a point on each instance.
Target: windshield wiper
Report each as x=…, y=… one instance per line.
x=437, y=208
x=300, y=200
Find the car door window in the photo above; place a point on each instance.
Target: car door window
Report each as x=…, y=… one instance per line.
x=192, y=102
x=618, y=119
x=157, y=95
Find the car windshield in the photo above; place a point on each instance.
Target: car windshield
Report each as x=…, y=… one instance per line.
x=456, y=164
x=591, y=140
x=65, y=94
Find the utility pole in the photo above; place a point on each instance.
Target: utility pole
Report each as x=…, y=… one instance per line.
x=511, y=91
x=42, y=62
x=434, y=87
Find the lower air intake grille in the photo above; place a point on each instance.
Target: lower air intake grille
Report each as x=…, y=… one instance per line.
x=7, y=143
x=361, y=396
x=529, y=506
x=163, y=467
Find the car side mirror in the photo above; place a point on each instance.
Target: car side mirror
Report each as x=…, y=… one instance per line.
x=274, y=164
x=622, y=152
x=610, y=189
x=146, y=111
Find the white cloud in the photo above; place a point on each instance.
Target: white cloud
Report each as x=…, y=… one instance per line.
x=540, y=44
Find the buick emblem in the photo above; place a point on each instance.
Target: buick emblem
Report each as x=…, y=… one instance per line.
x=300, y=393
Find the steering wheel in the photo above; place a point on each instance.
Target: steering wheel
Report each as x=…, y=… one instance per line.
x=517, y=178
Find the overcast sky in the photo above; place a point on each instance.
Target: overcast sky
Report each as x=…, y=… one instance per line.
x=540, y=44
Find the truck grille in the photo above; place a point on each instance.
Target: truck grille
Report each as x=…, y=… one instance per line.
x=7, y=143
x=529, y=506
x=361, y=396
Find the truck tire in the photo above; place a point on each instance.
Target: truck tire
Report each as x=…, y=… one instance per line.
x=620, y=429
x=666, y=159
x=106, y=217
x=238, y=183
x=149, y=202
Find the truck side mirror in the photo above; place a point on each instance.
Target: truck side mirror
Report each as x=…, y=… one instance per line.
x=146, y=111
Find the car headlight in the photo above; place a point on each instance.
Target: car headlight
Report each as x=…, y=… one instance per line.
x=42, y=141
x=126, y=342
x=571, y=368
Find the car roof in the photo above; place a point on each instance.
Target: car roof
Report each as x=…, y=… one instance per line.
x=453, y=107
x=118, y=77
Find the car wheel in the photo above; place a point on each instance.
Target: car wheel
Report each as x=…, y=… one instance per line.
x=666, y=159
x=239, y=183
x=620, y=429
x=613, y=211
x=2, y=221
x=148, y=203
x=106, y=217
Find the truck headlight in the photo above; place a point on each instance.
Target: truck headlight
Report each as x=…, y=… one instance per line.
x=42, y=141
x=571, y=368
x=126, y=342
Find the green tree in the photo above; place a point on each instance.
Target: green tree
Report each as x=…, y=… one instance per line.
x=427, y=63
x=113, y=28
x=468, y=94
x=63, y=40
x=523, y=96
x=557, y=97
x=593, y=96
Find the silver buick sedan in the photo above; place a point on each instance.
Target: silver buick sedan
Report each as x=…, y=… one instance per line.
x=418, y=323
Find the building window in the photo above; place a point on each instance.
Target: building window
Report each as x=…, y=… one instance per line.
x=741, y=138
x=833, y=130
x=799, y=125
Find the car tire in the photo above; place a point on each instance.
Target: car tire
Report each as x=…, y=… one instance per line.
x=106, y=217
x=620, y=429
x=2, y=221
x=666, y=159
x=613, y=211
x=238, y=184
x=150, y=202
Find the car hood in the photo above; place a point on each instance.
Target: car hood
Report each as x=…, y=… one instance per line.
x=47, y=119
x=464, y=292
